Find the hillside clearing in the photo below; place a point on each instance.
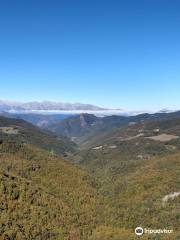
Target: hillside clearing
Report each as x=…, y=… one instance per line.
x=163, y=137
x=9, y=130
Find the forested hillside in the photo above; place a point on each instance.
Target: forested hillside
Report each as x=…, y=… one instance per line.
x=100, y=193
x=23, y=132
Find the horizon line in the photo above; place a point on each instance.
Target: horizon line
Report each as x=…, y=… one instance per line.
x=125, y=109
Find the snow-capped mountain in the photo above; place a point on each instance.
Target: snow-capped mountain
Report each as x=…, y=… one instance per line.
x=11, y=106
x=49, y=107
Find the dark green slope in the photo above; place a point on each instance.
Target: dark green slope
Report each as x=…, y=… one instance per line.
x=37, y=119
x=21, y=131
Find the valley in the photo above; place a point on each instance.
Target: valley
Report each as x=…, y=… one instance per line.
x=117, y=173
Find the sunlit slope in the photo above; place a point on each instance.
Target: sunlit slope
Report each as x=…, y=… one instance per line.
x=141, y=196
x=44, y=197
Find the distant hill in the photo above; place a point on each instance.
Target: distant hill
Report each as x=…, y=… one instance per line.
x=137, y=141
x=82, y=127
x=76, y=127
x=40, y=120
x=134, y=131
x=18, y=130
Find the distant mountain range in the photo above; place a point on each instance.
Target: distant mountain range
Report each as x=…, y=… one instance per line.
x=11, y=106
x=50, y=107
x=84, y=127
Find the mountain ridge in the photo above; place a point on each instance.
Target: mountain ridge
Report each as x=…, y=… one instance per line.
x=45, y=105
x=82, y=127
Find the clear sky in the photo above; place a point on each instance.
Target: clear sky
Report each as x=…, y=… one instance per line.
x=113, y=53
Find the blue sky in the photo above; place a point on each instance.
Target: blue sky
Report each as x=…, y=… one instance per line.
x=113, y=53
